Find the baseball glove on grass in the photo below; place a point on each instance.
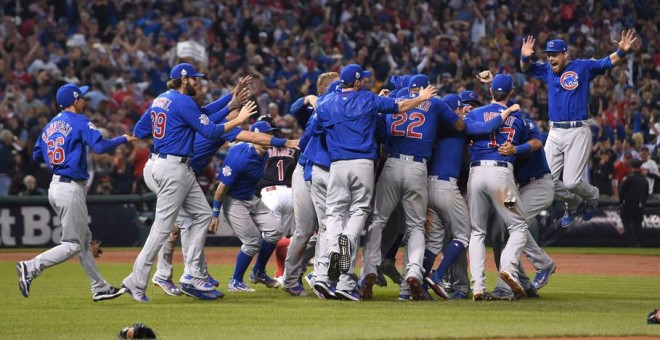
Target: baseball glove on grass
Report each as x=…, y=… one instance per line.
x=654, y=317
x=137, y=331
x=96, y=248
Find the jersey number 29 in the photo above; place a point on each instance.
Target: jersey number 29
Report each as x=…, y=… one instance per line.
x=55, y=153
x=158, y=122
x=416, y=118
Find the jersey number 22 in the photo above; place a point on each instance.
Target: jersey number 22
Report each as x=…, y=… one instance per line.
x=416, y=118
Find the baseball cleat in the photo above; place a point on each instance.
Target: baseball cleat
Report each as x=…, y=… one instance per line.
x=381, y=281
x=197, y=283
x=24, y=279
x=109, y=294
x=264, y=279
x=333, y=268
x=344, y=254
x=513, y=283
x=478, y=296
x=136, y=294
x=588, y=211
x=416, y=288
x=311, y=281
x=212, y=281
x=350, y=295
x=325, y=290
x=436, y=286
x=568, y=220
x=542, y=276
x=190, y=290
x=460, y=296
x=238, y=286
x=404, y=297
x=388, y=267
x=500, y=294
x=296, y=291
x=532, y=293
x=167, y=286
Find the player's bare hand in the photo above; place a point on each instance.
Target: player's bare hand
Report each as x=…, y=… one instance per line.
x=237, y=100
x=528, y=46
x=428, y=92
x=514, y=108
x=242, y=84
x=292, y=143
x=506, y=149
x=384, y=93
x=247, y=110
x=213, y=226
x=485, y=77
x=129, y=138
x=311, y=100
x=627, y=41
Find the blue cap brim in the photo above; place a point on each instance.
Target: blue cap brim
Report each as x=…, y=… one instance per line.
x=366, y=74
x=553, y=51
x=83, y=89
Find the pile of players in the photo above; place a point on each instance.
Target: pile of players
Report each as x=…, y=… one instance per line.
x=337, y=188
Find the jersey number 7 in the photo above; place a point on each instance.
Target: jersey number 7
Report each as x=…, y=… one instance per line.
x=509, y=131
x=416, y=118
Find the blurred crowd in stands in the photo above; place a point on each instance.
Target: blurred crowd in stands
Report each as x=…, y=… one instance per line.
x=124, y=50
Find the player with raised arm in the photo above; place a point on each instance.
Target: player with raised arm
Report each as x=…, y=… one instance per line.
x=175, y=119
x=569, y=141
x=63, y=147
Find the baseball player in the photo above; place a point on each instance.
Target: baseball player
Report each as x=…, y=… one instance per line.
x=348, y=119
x=569, y=141
x=175, y=119
x=447, y=210
x=309, y=200
x=246, y=214
x=62, y=147
x=536, y=194
x=411, y=135
x=491, y=185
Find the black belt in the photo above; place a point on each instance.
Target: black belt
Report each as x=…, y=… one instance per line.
x=567, y=125
x=490, y=163
x=64, y=179
x=407, y=157
x=184, y=159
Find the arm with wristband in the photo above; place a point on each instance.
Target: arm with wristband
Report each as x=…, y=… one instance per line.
x=628, y=38
x=218, y=197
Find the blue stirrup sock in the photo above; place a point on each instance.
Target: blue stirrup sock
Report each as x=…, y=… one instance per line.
x=265, y=251
x=242, y=263
x=449, y=256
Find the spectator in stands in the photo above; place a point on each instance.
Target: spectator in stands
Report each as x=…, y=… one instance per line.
x=649, y=169
x=30, y=187
x=602, y=173
x=633, y=196
x=621, y=169
x=7, y=164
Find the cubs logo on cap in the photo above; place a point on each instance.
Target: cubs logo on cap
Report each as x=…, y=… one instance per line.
x=184, y=70
x=502, y=83
x=67, y=94
x=556, y=45
x=468, y=97
x=569, y=80
x=419, y=80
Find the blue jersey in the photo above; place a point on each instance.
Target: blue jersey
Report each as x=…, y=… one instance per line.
x=205, y=148
x=242, y=170
x=484, y=146
x=448, y=155
x=568, y=92
x=532, y=165
x=414, y=132
x=175, y=119
x=63, y=141
x=349, y=120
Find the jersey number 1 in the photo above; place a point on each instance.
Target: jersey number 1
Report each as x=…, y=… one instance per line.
x=416, y=118
x=158, y=122
x=280, y=170
x=55, y=153
x=509, y=131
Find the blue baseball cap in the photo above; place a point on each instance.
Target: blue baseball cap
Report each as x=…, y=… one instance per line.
x=67, y=94
x=469, y=96
x=419, y=80
x=263, y=126
x=334, y=87
x=405, y=80
x=184, y=70
x=556, y=45
x=402, y=92
x=502, y=83
x=452, y=100
x=350, y=73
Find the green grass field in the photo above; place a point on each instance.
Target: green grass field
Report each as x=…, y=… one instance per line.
x=60, y=307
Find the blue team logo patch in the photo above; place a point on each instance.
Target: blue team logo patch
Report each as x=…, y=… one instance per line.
x=569, y=80
x=204, y=119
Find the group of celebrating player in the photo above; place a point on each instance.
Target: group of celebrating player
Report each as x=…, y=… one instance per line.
x=336, y=190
